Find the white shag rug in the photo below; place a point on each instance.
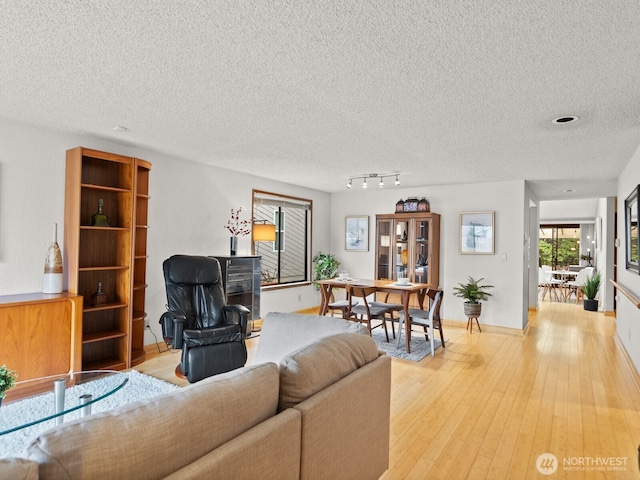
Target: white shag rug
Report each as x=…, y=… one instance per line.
x=139, y=386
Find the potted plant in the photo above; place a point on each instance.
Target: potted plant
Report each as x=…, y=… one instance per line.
x=472, y=292
x=7, y=380
x=590, y=290
x=325, y=266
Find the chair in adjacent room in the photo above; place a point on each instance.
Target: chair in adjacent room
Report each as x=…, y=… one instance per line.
x=429, y=320
x=548, y=284
x=365, y=312
x=574, y=287
x=210, y=333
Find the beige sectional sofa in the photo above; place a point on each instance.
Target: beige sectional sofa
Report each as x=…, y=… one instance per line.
x=319, y=412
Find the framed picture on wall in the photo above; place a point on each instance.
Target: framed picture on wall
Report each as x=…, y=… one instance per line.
x=631, y=237
x=476, y=233
x=357, y=233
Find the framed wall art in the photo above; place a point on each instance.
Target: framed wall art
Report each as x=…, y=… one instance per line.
x=476, y=232
x=357, y=233
x=631, y=237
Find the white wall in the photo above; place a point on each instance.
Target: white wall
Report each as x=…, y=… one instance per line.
x=568, y=210
x=505, y=308
x=189, y=206
x=627, y=315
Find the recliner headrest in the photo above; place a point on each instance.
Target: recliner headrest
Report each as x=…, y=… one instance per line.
x=191, y=270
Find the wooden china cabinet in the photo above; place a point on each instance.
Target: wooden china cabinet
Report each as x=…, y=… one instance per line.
x=408, y=245
x=106, y=258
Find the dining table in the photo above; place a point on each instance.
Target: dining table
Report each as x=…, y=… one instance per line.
x=405, y=291
x=564, y=275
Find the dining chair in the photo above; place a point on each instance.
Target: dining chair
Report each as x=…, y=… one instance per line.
x=392, y=307
x=575, y=286
x=365, y=312
x=427, y=319
x=341, y=306
x=547, y=283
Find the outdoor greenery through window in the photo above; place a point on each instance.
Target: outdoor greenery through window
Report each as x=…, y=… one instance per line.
x=286, y=260
x=559, y=245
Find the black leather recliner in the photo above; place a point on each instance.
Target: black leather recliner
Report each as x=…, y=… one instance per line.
x=210, y=333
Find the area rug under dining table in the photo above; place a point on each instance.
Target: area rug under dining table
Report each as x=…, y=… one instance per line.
x=420, y=348
x=139, y=387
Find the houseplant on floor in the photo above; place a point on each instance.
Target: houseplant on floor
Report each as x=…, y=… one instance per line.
x=590, y=291
x=472, y=292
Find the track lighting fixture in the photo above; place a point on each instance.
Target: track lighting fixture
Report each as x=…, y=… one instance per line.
x=379, y=176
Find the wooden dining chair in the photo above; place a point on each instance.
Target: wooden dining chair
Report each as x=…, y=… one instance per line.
x=427, y=319
x=392, y=307
x=365, y=312
x=341, y=306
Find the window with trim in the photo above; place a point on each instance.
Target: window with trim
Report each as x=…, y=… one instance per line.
x=285, y=260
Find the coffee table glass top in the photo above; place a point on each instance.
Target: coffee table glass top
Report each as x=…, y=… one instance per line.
x=38, y=397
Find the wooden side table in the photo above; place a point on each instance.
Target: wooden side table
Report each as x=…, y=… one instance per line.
x=470, y=324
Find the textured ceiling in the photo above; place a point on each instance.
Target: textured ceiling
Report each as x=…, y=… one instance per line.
x=312, y=92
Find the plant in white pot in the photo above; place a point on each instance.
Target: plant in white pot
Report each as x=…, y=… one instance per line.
x=473, y=293
x=590, y=290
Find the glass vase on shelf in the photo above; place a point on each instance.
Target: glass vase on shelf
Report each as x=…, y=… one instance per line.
x=99, y=219
x=52, y=280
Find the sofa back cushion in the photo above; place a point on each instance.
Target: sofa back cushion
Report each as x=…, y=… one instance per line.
x=153, y=438
x=284, y=333
x=322, y=363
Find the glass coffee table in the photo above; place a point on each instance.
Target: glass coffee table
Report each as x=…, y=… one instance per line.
x=51, y=398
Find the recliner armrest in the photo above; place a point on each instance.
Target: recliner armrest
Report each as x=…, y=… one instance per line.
x=239, y=314
x=172, y=328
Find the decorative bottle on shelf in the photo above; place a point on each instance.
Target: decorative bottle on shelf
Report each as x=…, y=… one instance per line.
x=99, y=219
x=52, y=280
x=99, y=298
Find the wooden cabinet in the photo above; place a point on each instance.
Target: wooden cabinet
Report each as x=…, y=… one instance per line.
x=241, y=278
x=408, y=245
x=41, y=334
x=112, y=255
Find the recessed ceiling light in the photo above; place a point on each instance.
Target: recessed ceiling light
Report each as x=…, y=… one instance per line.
x=120, y=128
x=566, y=119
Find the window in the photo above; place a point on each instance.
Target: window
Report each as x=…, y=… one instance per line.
x=286, y=260
x=559, y=245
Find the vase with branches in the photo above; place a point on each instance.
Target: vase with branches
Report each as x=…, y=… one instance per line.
x=237, y=228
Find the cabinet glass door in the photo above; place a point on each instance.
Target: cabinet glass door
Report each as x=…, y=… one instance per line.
x=402, y=249
x=421, y=251
x=384, y=266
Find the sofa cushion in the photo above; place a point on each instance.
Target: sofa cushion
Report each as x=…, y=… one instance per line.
x=269, y=451
x=18, y=469
x=322, y=363
x=283, y=333
x=155, y=437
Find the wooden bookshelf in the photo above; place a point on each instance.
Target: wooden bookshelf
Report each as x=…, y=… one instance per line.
x=115, y=255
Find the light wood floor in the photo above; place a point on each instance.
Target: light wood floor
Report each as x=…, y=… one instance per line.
x=490, y=403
